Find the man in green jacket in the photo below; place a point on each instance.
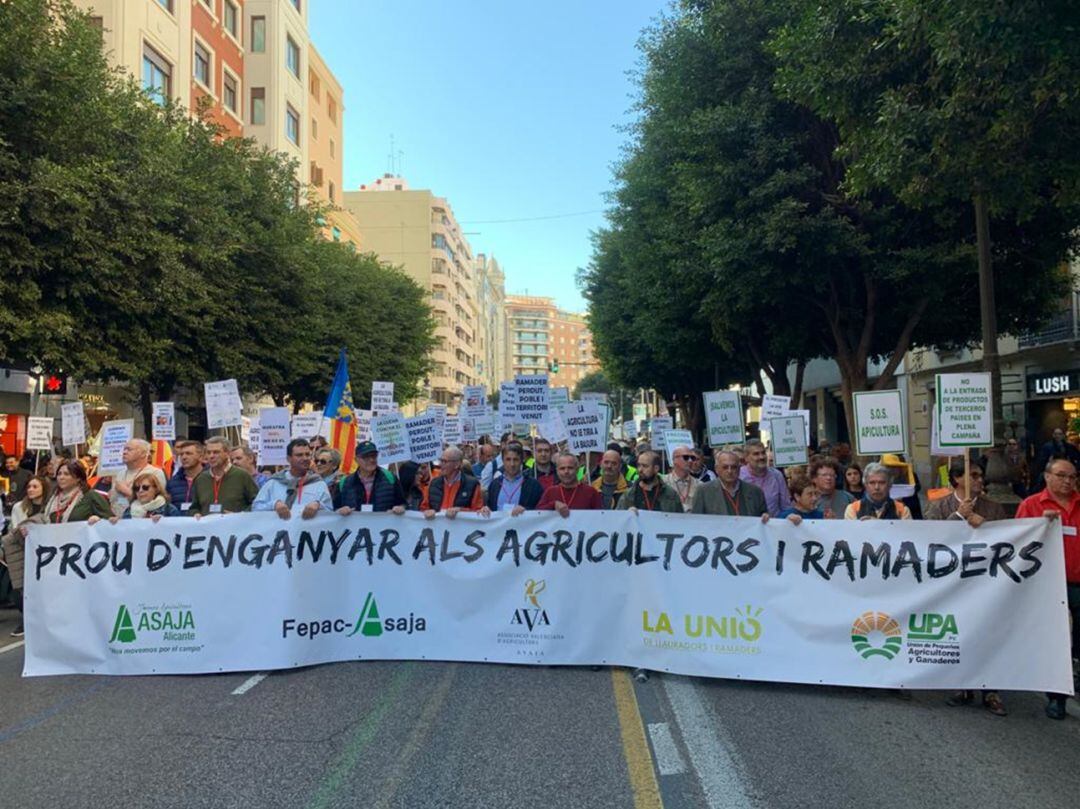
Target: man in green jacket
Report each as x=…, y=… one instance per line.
x=222, y=488
x=650, y=493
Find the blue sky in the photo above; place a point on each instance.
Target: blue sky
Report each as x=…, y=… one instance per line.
x=508, y=109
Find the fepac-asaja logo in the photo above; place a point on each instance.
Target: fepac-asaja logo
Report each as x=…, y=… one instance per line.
x=368, y=624
x=174, y=622
x=532, y=614
x=876, y=634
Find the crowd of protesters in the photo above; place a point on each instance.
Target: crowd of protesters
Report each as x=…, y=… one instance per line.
x=213, y=477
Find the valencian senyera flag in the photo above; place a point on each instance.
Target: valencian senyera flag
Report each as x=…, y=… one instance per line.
x=342, y=415
x=162, y=457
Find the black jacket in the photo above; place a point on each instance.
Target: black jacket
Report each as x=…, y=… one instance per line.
x=385, y=491
x=531, y=492
x=465, y=493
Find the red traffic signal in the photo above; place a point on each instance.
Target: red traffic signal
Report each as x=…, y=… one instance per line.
x=54, y=384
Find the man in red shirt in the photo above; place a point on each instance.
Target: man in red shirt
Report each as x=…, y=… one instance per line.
x=569, y=494
x=1059, y=500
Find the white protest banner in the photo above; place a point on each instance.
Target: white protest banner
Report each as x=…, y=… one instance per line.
x=474, y=401
x=485, y=425
x=965, y=412
x=425, y=437
x=468, y=429
x=585, y=428
x=658, y=425
x=306, y=425
x=552, y=427
x=114, y=435
x=452, y=430
x=880, y=422
x=223, y=406
x=363, y=425
x=274, y=435
x=774, y=407
x=629, y=429
x=164, y=421
x=390, y=436
x=882, y=603
x=382, y=398
x=789, y=443
x=673, y=439
x=594, y=397
x=532, y=398
x=72, y=424
x=245, y=430
x=558, y=398
x=253, y=439
x=39, y=430
x=439, y=412
x=724, y=417
x=804, y=415
x=641, y=412
x=935, y=445
x=605, y=417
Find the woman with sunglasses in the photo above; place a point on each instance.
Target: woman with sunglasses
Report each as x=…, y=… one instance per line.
x=150, y=500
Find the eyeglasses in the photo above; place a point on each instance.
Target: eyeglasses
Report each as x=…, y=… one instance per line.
x=687, y=457
x=325, y=460
x=729, y=466
x=1064, y=475
x=146, y=487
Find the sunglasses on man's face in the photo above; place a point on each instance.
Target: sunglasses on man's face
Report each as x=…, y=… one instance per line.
x=687, y=457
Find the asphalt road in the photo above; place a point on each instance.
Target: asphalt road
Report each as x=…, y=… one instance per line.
x=461, y=735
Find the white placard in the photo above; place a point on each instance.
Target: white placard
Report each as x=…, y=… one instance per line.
x=485, y=425
x=935, y=445
x=382, y=399
x=658, y=425
x=72, y=424
x=724, y=417
x=439, y=412
x=629, y=429
x=114, y=435
x=223, y=405
x=594, y=397
x=245, y=430
x=452, y=430
x=673, y=439
x=558, y=398
x=39, y=430
x=164, y=421
x=552, y=427
x=789, y=444
x=468, y=429
x=774, y=407
x=474, y=401
x=306, y=425
x=253, y=439
x=532, y=398
x=585, y=428
x=425, y=437
x=965, y=411
x=805, y=416
x=274, y=434
x=363, y=425
x=390, y=436
x=880, y=422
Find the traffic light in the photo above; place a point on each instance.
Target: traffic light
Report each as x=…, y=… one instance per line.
x=54, y=384
x=553, y=366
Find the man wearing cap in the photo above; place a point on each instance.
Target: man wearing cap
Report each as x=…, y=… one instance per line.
x=370, y=487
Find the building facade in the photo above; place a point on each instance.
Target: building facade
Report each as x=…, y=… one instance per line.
x=495, y=336
x=544, y=337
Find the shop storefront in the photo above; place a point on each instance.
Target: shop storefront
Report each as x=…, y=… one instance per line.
x=1053, y=401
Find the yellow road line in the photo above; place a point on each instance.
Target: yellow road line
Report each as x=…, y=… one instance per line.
x=635, y=746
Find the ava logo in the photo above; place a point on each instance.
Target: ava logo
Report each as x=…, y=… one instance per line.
x=534, y=616
x=123, y=629
x=875, y=633
x=930, y=626
x=175, y=622
x=368, y=624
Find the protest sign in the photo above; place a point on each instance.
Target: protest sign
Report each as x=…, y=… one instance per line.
x=72, y=424
x=531, y=398
x=724, y=417
x=629, y=429
x=468, y=429
x=382, y=398
x=39, y=430
x=439, y=412
x=880, y=422
x=474, y=401
x=274, y=434
x=114, y=435
x=552, y=427
x=594, y=397
x=223, y=406
x=558, y=398
x=935, y=445
x=673, y=439
x=306, y=425
x=774, y=407
x=805, y=415
x=658, y=425
x=425, y=437
x=452, y=430
x=585, y=428
x=641, y=412
x=880, y=604
x=245, y=429
x=164, y=421
x=789, y=443
x=964, y=409
x=485, y=425
x=390, y=436
x=363, y=425
x=253, y=439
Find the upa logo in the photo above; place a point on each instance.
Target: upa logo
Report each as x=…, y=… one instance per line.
x=175, y=622
x=931, y=626
x=535, y=615
x=876, y=634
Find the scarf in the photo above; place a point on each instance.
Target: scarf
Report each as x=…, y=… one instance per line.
x=867, y=508
x=146, y=509
x=292, y=484
x=64, y=503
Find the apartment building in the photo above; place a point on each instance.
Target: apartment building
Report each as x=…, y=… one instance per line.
x=544, y=338
x=417, y=231
x=495, y=334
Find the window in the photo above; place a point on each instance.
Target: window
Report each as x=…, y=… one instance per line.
x=330, y=190
x=166, y=4
x=331, y=147
x=331, y=109
x=228, y=92
x=337, y=233
x=157, y=75
x=97, y=23
x=296, y=4
x=292, y=56
x=229, y=18
x=313, y=86
x=292, y=125
x=258, y=34
x=314, y=129
x=202, y=64
x=258, y=106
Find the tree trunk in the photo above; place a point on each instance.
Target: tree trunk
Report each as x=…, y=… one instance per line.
x=796, y=391
x=991, y=362
x=146, y=405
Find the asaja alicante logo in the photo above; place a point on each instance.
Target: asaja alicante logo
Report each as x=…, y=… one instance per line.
x=876, y=633
x=175, y=622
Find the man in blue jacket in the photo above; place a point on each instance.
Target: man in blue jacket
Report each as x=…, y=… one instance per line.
x=512, y=490
x=370, y=487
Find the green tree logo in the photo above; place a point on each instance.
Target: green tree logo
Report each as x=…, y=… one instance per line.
x=123, y=627
x=368, y=623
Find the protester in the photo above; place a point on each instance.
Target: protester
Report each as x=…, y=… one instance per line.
x=180, y=485
x=1060, y=501
x=1016, y=466
x=415, y=479
x=1056, y=447
x=73, y=500
x=770, y=480
x=699, y=470
x=853, y=480
x=244, y=457
x=136, y=458
x=805, y=501
x=513, y=490
x=28, y=511
x=569, y=493
x=151, y=500
x=875, y=503
x=728, y=494
x=492, y=466
x=318, y=443
x=650, y=491
x=611, y=483
x=824, y=472
x=222, y=488
x=327, y=463
x=298, y=486
x=370, y=487
x=453, y=491
x=680, y=479
x=17, y=478
x=487, y=452
x=542, y=468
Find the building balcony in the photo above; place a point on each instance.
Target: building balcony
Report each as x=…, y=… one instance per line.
x=1064, y=327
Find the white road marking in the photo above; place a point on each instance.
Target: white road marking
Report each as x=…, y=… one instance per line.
x=11, y=646
x=668, y=760
x=250, y=683
x=716, y=769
